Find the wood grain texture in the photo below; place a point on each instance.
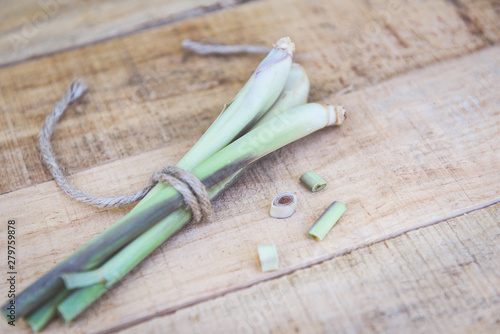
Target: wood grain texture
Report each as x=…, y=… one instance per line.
x=146, y=93
x=481, y=17
x=415, y=150
x=444, y=278
x=30, y=28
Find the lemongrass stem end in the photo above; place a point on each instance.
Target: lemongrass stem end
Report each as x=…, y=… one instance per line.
x=74, y=304
x=285, y=43
x=337, y=115
x=38, y=319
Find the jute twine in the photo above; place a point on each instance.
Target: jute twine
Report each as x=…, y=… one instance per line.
x=193, y=191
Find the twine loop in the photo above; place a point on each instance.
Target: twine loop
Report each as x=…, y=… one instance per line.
x=189, y=186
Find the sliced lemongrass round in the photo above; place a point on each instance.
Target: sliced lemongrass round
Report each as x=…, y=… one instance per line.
x=327, y=220
x=268, y=256
x=313, y=181
x=283, y=205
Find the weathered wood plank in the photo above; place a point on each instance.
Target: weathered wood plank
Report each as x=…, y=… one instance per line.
x=444, y=278
x=30, y=29
x=145, y=92
x=415, y=150
x=481, y=17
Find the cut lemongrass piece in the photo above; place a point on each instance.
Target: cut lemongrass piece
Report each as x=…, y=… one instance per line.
x=268, y=256
x=283, y=205
x=327, y=220
x=313, y=181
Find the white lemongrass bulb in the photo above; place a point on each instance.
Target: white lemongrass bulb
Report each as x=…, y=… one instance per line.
x=294, y=93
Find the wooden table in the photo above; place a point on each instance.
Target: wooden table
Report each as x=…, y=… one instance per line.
x=417, y=162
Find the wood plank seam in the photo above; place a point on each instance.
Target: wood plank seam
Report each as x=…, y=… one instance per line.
x=291, y=271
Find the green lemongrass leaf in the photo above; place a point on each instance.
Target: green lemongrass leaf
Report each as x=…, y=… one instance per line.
x=82, y=279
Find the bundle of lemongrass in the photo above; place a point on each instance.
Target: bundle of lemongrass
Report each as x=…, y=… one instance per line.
x=269, y=112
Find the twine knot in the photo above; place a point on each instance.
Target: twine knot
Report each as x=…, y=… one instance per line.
x=191, y=188
x=188, y=185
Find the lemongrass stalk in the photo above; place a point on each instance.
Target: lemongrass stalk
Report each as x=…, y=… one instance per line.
x=44, y=314
x=295, y=93
x=326, y=221
x=313, y=181
x=125, y=260
x=260, y=92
